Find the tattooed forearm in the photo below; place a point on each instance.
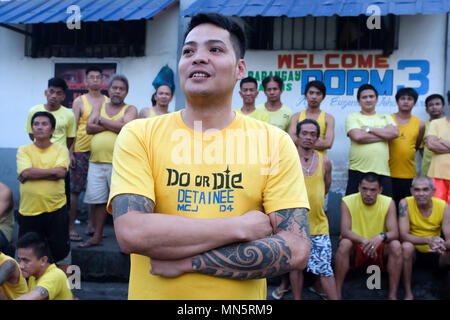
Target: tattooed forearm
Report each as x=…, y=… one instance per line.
x=402, y=210
x=43, y=293
x=293, y=220
x=251, y=260
x=124, y=203
x=6, y=270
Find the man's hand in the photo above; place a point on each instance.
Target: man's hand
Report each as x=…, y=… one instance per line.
x=23, y=176
x=256, y=225
x=170, y=268
x=437, y=245
x=370, y=246
x=73, y=161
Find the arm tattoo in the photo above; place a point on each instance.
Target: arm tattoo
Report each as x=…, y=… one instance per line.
x=402, y=210
x=127, y=202
x=43, y=293
x=6, y=271
x=262, y=258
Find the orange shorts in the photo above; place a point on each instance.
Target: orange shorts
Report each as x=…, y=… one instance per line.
x=442, y=187
x=360, y=259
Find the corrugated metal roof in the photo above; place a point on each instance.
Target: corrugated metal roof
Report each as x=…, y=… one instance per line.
x=48, y=11
x=301, y=8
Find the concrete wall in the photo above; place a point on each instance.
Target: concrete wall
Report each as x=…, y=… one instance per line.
x=24, y=79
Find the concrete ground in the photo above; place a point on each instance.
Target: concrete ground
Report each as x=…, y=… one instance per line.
x=104, y=276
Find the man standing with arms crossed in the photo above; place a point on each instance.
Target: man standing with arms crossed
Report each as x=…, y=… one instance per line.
x=208, y=253
x=80, y=150
x=104, y=124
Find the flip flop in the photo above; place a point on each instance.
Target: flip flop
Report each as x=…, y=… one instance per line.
x=75, y=237
x=92, y=233
x=278, y=294
x=322, y=295
x=89, y=244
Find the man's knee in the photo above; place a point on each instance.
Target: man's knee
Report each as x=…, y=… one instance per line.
x=395, y=249
x=345, y=246
x=408, y=249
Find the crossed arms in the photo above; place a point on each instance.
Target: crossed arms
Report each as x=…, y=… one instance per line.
x=387, y=133
x=96, y=123
x=234, y=247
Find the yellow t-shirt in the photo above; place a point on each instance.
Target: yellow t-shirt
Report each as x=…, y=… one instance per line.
x=322, y=125
x=440, y=163
x=425, y=227
x=427, y=153
x=39, y=196
x=250, y=165
x=371, y=157
x=65, y=124
x=10, y=290
x=367, y=221
x=315, y=185
x=256, y=114
x=280, y=118
x=83, y=140
x=102, y=143
x=54, y=280
x=402, y=150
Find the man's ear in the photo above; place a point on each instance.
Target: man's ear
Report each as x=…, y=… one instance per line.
x=241, y=69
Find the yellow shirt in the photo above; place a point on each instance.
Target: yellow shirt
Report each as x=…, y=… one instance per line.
x=440, y=163
x=367, y=221
x=425, y=227
x=402, y=150
x=54, y=280
x=102, y=143
x=371, y=157
x=279, y=118
x=250, y=165
x=427, y=153
x=256, y=114
x=322, y=125
x=13, y=291
x=65, y=124
x=39, y=196
x=315, y=185
x=83, y=140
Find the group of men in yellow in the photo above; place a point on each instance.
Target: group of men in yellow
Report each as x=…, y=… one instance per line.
x=128, y=182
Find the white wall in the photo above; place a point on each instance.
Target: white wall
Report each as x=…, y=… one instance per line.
x=24, y=79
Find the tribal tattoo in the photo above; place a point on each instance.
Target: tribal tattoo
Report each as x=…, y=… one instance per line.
x=402, y=210
x=42, y=292
x=262, y=258
x=124, y=203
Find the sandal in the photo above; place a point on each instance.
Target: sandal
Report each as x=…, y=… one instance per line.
x=320, y=294
x=278, y=294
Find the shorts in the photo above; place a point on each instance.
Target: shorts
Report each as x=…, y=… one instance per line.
x=427, y=260
x=52, y=226
x=401, y=188
x=442, y=187
x=98, y=183
x=78, y=174
x=360, y=259
x=319, y=261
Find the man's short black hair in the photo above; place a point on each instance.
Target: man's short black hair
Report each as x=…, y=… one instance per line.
x=237, y=35
x=434, y=96
x=366, y=87
x=275, y=78
x=371, y=177
x=248, y=80
x=410, y=92
x=44, y=114
x=306, y=121
x=34, y=241
x=318, y=85
x=57, y=83
x=93, y=68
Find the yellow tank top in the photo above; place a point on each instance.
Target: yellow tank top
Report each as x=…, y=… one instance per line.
x=83, y=140
x=315, y=186
x=367, y=221
x=425, y=227
x=10, y=290
x=321, y=121
x=102, y=143
x=152, y=113
x=402, y=150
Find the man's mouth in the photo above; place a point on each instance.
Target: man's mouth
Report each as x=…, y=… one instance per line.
x=199, y=75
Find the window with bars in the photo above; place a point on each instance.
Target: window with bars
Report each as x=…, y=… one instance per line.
x=321, y=33
x=93, y=40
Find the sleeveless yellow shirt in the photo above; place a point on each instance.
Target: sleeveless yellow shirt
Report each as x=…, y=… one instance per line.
x=315, y=186
x=102, y=143
x=402, y=150
x=367, y=221
x=321, y=121
x=83, y=140
x=13, y=291
x=425, y=227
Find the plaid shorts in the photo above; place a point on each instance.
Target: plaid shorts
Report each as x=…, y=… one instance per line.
x=319, y=261
x=78, y=175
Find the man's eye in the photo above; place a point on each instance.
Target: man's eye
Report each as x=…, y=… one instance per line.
x=187, y=51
